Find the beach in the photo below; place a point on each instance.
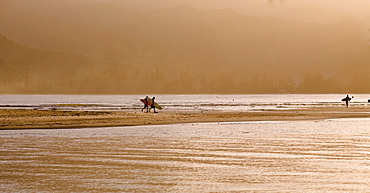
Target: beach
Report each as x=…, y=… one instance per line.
x=329, y=155
x=52, y=119
x=231, y=143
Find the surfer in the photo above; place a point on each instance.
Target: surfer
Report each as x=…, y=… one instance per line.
x=347, y=99
x=146, y=104
x=152, y=106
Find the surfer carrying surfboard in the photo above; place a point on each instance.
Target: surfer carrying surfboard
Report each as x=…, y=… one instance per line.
x=148, y=102
x=347, y=99
x=145, y=101
x=153, y=106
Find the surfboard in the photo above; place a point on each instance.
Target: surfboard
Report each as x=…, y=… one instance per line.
x=145, y=102
x=345, y=99
x=156, y=105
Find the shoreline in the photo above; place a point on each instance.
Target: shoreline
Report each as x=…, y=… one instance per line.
x=17, y=119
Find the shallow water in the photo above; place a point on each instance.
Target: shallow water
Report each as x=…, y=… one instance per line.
x=181, y=102
x=301, y=156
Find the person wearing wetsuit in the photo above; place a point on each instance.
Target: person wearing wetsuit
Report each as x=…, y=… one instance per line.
x=146, y=104
x=153, y=105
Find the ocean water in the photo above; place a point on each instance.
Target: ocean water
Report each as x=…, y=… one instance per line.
x=265, y=156
x=180, y=102
x=296, y=156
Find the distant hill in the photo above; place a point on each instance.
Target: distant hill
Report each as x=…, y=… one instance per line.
x=56, y=25
x=28, y=70
x=103, y=48
x=304, y=10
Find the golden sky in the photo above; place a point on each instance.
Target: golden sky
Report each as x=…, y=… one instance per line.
x=184, y=46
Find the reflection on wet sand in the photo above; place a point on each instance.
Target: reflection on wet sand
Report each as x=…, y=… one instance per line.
x=302, y=156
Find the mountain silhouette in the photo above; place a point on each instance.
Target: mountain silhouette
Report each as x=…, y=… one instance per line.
x=104, y=48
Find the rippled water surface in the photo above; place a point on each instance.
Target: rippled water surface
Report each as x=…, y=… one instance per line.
x=244, y=102
x=304, y=156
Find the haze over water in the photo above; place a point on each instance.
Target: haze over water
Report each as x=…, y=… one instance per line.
x=184, y=46
x=198, y=103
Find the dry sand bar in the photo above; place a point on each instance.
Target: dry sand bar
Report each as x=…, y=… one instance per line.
x=49, y=119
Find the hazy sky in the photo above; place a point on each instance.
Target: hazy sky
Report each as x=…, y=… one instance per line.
x=352, y=6
x=211, y=46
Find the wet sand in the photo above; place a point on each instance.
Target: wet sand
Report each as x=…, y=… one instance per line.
x=294, y=156
x=51, y=119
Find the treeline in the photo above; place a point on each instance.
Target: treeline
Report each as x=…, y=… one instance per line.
x=123, y=80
